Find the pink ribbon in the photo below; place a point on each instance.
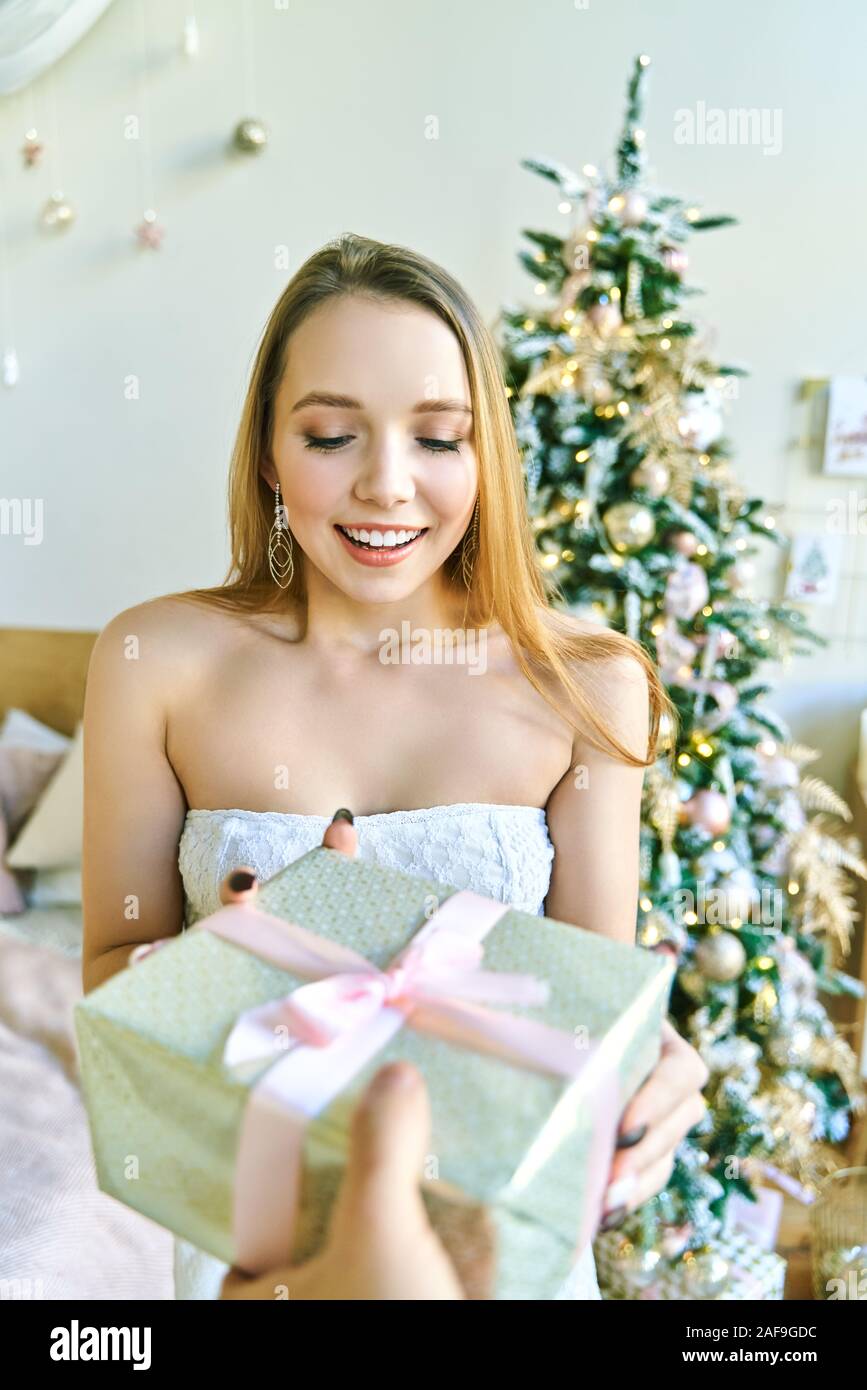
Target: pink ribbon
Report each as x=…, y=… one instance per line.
x=326, y=1031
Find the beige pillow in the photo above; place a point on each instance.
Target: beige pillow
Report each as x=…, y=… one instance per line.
x=51, y=837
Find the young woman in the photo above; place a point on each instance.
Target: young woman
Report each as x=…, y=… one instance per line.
x=224, y=725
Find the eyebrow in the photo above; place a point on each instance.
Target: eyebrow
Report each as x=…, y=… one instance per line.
x=349, y=403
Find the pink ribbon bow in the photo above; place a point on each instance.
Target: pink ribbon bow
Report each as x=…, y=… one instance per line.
x=334, y=1025
x=442, y=967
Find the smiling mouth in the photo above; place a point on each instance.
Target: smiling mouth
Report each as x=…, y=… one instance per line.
x=378, y=540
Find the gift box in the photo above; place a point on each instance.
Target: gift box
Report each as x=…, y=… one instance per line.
x=732, y=1267
x=220, y=1073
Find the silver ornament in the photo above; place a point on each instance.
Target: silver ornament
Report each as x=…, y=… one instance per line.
x=721, y=957
x=251, y=136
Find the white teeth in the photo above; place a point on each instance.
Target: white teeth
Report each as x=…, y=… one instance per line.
x=381, y=538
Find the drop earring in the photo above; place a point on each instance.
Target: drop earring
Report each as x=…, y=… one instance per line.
x=280, y=560
x=470, y=547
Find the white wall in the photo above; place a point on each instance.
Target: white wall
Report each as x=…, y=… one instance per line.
x=134, y=490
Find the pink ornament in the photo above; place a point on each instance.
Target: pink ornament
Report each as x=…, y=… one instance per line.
x=684, y=542
x=673, y=653
x=707, y=810
x=149, y=233
x=686, y=591
x=675, y=260
x=605, y=318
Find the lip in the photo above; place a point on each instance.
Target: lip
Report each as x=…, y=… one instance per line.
x=383, y=555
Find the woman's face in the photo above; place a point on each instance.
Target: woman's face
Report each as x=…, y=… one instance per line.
x=373, y=432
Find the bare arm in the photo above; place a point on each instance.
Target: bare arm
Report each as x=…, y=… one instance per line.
x=134, y=806
x=594, y=817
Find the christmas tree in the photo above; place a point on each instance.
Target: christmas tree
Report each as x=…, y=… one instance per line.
x=642, y=525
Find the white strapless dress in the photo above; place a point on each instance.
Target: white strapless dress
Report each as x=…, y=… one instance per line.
x=501, y=851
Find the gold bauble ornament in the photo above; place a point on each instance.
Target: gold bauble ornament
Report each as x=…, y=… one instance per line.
x=250, y=135
x=57, y=214
x=629, y=525
x=721, y=957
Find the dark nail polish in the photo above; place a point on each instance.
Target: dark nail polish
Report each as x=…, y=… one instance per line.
x=343, y=814
x=635, y=1136
x=241, y=881
x=614, y=1218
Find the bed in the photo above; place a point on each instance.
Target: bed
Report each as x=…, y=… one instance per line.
x=60, y=1237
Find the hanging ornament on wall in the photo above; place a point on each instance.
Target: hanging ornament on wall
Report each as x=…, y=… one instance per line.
x=58, y=214
x=10, y=367
x=190, y=40
x=629, y=525
x=32, y=150
x=250, y=136
x=652, y=475
x=149, y=232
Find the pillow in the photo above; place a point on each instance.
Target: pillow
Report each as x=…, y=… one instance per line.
x=21, y=728
x=51, y=838
x=30, y=753
x=11, y=897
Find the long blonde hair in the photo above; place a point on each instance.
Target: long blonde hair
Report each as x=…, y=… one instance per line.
x=507, y=585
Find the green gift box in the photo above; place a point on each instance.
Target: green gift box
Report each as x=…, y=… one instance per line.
x=520, y=1145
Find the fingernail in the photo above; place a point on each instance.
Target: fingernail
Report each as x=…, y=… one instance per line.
x=620, y=1192
x=612, y=1219
x=343, y=814
x=634, y=1136
x=138, y=953
x=241, y=881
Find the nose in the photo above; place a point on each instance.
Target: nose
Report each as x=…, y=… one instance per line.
x=386, y=475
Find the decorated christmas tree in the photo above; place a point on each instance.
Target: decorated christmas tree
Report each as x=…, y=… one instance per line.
x=642, y=525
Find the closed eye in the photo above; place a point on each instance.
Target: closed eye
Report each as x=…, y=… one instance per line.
x=330, y=445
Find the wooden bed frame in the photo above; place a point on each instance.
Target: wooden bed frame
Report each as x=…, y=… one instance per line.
x=44, y=672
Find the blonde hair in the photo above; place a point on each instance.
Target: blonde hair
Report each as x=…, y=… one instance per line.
x=507, y=585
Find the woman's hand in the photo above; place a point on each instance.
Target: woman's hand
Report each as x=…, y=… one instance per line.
x=380, y=1244
x=666, y=1108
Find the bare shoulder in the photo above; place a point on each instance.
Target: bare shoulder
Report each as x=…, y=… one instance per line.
x=612, y=679
x=160, y=628
x=160, y=646
x=613, y=655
